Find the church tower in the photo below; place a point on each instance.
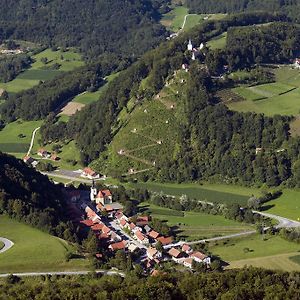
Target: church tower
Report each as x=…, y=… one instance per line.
x=190, y=46
x=93, y=192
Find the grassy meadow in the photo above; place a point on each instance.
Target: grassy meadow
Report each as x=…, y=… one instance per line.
x=195, y=225
x=218, y=42
x=272, y=252
x=281, y=97
x=9, y=136
x=34, y=250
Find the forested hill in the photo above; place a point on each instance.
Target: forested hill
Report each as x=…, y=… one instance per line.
x=291, y=8
x=95, y=26
x=29, y=196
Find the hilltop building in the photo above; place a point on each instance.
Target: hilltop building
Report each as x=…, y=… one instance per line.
x=190, y=46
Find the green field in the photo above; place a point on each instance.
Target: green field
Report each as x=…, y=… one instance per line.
x=233, y=250
x=173, y=20
x=281, y=97
x=287, y=205
x=195, y=225
x=38, y=71
x=34, y=250
x=295, y=259
x=219, y=193
x=218, y=42
x=9, y=140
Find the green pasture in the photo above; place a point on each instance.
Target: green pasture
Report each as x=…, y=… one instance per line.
x=295, y=259
x=217, y=193
x=218, y=42
x=174, y=19
x=34, y=250
x=259, y=246
x=195, y=225
x=287, y=205
x=9, y=140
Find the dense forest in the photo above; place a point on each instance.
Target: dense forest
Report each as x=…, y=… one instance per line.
x=250, y=284
x=11, y=66
x=30, y=197
x=289, y=7
x=95, y=27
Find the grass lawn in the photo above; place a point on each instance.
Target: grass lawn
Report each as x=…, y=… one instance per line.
x=174, y=19
x=34, y=250
x=233, y=249
x=219, y=42
x=9, y=140
x=196, y=225
x=287, y=205
x=220, y=193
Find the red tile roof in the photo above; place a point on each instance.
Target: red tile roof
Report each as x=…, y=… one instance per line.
x=123, y=222
x=103, y=236
x=151, y=251
x=105, y=229
x=87, y=222
x=98, y=255
x=165, y=240
x=132, y=226
x=89, y=171
x=103, y=193
x=185, y=247
x=198, y=255
x=118, y=246
x=98, y=226
x=139, y=235
x=174, y=252
x=153, y=234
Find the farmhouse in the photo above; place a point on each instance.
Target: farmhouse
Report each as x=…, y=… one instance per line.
x=54, y=157
x=187, y=262
x=186, y=248
x=165, y=240
x=89, y=173
x=153, y=234
x=152, y=253
x=43, y=153
x=200, y=257
x=28, y=159
x=175, y=254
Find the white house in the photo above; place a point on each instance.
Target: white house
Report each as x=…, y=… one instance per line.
x=89, y=173
x=200, y=257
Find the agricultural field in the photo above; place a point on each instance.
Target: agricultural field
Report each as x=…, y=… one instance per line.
x=173, y=20
x=40, y=71
x=271, y=252
x=34, y=250
x=195, y=225
x=15, y=137
x=287, y=205
x=217, y=193
x=281, y=97
x=218, y=42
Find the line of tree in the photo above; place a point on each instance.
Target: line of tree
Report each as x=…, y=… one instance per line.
x=248, y=283
x=11, y=66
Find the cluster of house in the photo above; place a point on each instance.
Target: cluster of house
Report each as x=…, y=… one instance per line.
x=30, y=161
x=195, y=51
x=45, y=154
x=91, y=174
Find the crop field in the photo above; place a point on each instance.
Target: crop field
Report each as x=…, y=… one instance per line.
x=34, y=250
x=71, y=108
x=287, y=205
x=219, y=42
x=195, y=225
x=217, y=193
x=11, y=142
x=281, y=97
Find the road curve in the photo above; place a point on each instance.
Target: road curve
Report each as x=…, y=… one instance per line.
x=31, y=274
x=283, y=222
x=7, y=244
x=32, y=140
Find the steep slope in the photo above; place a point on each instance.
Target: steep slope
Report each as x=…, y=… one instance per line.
x=27, y=195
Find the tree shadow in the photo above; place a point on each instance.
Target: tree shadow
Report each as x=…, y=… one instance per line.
x=267, y=207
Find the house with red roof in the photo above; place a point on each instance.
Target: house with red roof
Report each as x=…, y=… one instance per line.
x=124, y=224
x=200, y=257
x=186, y=248
x=153, y=253
x=104, y=197
x=140, y=237
x=105, y=229
x=187, y=262
x=118, y=246
x=153, y=234
x=89, y=173
x=165, y=240
x=43, y=153
x=175, y=254
x=142, y=220
x=132, y=226
x=97, y=227
x=88, y=223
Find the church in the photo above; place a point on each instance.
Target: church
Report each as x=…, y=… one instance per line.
x=103, y=197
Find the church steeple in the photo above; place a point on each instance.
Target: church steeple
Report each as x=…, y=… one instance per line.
x=190, y=45
x=93, y=192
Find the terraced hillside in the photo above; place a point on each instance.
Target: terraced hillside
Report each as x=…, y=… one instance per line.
x=149, y=128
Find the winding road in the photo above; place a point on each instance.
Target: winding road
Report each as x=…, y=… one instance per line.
x=283, y=222
x=32, y=140
x=7, y=244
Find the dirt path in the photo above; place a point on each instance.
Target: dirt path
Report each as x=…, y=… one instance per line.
x=32, y=140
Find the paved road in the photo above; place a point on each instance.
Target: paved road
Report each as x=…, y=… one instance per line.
x=7, y=244
x=283, y=222
x=105, y=272
x=32, y=140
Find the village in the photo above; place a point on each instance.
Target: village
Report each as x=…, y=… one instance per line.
x=98, y=212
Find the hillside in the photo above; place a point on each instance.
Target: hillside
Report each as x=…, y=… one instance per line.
x=29, y=196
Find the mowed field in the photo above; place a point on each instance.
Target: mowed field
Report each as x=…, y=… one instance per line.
x=281, y=97
x=218, y=42
x=217, y=193
x=38, y=71
x=272, y=252
x=195, y=225
x=287, y=205
x=9, y=140
x=34, y=250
